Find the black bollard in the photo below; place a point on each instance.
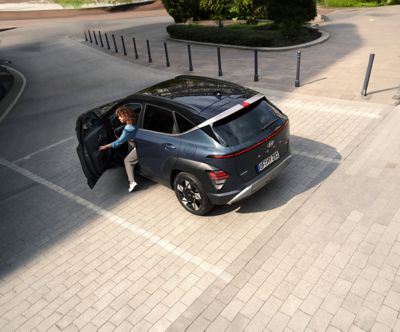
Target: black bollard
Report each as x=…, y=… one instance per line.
x=134, y=47
x=148, y=51
x=115, y=44
x=123, y=45
x=190, y=58
x=108, y=44
x=166, y=54
x=90, y=37
x=368, y=74
x=86, y=39
x=219, y=61
x=297, y=81
x=255, y=65
x=95, y=38
x=101, y=39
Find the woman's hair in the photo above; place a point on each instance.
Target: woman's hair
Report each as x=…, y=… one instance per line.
x=129, y=115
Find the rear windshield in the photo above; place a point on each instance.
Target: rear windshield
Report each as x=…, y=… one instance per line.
x=245, y=124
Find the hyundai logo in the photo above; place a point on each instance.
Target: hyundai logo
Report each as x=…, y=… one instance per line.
x=270, y=144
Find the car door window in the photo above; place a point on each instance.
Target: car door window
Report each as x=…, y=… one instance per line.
x=134, y=107
x=158, y=119
x=90, y=121
x=115, y=123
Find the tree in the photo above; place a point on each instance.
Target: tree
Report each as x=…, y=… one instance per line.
x=249, y=9
x=215, y=9
x=291, y=13
x=182, y=10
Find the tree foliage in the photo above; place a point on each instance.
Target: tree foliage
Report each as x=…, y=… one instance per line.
x=215, y=9
x=249, y=10
x=291, y=12
x=182, y=10
x=283, y=12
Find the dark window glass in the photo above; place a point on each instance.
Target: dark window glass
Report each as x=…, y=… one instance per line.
x=245, y=124
x=157, y=119
x=134, y=107
x=90, y=122
x=183, y=123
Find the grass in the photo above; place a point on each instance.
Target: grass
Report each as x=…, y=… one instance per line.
x=81, y=3
x=356, y=3
x=261, y=35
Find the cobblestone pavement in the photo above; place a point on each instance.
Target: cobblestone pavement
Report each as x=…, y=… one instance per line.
x=318, y=249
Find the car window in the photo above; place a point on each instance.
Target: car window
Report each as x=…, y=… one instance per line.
x=89, y=122
x=245, y=124
x=134, y=107
x=183, y=123
x=113, y=118
x=158, y=119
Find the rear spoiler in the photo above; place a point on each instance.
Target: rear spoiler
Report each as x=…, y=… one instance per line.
x=232, y=110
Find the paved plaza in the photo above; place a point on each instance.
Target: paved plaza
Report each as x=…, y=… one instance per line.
x=318, y=249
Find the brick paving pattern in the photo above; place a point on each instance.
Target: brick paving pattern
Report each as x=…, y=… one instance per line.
x=317, y=249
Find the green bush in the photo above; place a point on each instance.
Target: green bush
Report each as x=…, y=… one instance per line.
x=291, y=13
x=182, y=10
x=250, y=10
x=215, y=9
x=241, y=34
x=357, y=3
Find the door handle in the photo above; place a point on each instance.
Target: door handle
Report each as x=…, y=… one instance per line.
x=99, y=138
x=168, y=146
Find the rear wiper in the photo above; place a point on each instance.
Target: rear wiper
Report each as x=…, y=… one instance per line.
x=269, y=124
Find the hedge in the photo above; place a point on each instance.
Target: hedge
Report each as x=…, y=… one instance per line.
x=242, y=35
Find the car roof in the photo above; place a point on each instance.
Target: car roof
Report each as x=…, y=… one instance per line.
x=203, y=97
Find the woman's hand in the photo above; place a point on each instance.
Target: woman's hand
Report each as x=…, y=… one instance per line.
x=104, y=147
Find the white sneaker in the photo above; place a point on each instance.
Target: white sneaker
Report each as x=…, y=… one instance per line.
x=132, y=186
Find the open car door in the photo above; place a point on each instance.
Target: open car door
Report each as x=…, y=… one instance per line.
x=93, y=130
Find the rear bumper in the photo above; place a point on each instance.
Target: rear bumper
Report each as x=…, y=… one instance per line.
x=250, y=189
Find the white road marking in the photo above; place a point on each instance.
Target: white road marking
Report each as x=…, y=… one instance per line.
x=171, y=248
x=43, y=149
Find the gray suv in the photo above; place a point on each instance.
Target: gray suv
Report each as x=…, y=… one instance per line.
x=212, y=141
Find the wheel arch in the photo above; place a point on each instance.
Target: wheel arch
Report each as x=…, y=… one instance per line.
x=197, y=169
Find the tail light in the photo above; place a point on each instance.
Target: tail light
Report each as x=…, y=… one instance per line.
x=218, y=178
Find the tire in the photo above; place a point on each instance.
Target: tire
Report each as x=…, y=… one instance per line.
x=191, y=195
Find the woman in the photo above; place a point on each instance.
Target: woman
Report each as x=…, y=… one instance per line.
x=128, y=116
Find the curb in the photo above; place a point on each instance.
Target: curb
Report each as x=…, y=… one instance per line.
x=8, y=102
x=324, y=37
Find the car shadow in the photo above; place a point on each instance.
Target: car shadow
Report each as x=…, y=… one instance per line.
x=312, y=163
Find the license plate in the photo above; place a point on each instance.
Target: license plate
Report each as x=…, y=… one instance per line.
x=268, y=161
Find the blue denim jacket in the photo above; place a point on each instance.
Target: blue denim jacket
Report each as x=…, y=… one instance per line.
x=128, y=134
